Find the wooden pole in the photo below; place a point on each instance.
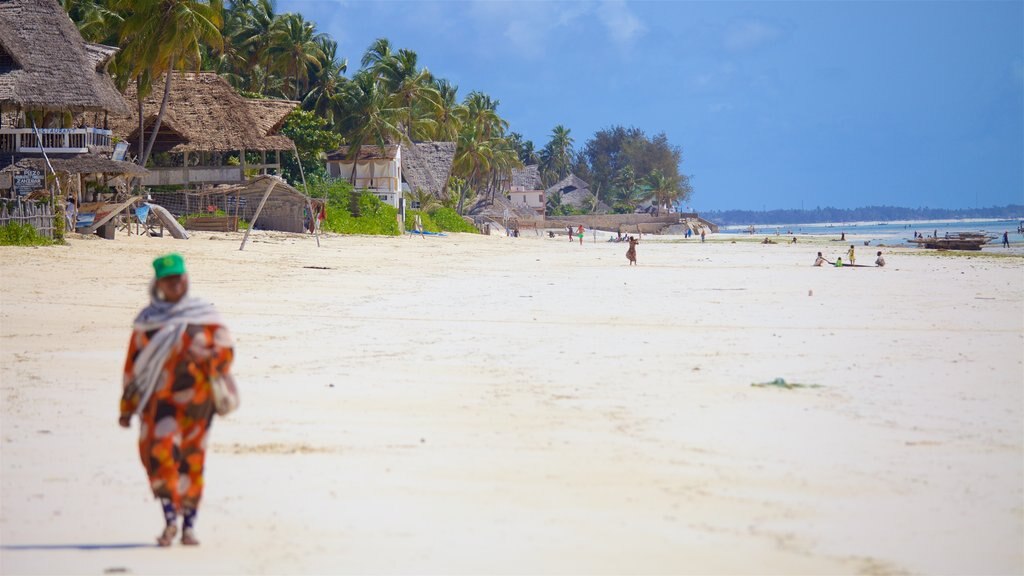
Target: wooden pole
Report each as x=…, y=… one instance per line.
x=257, y=215
x=314, y=218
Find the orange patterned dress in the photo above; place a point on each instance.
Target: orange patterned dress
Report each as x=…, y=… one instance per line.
x=178, y=414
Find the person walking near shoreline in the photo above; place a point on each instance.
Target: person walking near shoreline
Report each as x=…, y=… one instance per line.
x=579, y=233
x=179, y=346
x=1006, y=240
x=850, y=255
x=631, y=252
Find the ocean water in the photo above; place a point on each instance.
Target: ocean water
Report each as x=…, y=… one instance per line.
x=891, y=233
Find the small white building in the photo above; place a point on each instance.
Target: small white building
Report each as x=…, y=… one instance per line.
x=526, y=191
x=392, y=170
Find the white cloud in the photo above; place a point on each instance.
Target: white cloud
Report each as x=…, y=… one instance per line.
x=623, y=26
x=750, y=34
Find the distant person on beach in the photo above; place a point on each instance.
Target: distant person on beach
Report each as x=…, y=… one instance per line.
x=579, y=233
x=631, y=252
x=179, y=346
x=701, y=235
x=71, y=214
x=839, y=262
x=794, y=239
x=850, y=255
x=879, y=261
x=569, y=229
x=1006, y=240
x=820, y=260
x=842, y=237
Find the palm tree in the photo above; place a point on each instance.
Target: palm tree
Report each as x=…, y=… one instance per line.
x=95, y=20
x=473, y=158
x=425, y=200
x=665, y=189
x=325, y=94
x=160, y=36
x=297, y=47
x=447, y=124
x=410, y=90
x=377, y=53
x=557, y=155
x=365, y=115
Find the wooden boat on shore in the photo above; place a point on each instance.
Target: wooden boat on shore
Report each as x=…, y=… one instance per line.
x=958, y=241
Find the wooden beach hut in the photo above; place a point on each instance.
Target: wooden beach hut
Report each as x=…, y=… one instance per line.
x=55, y=99
x=209, y=134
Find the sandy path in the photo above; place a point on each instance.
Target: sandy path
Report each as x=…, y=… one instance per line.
x=482, y=404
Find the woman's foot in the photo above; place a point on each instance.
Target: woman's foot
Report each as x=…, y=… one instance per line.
x=188, y=537
x=167, y=538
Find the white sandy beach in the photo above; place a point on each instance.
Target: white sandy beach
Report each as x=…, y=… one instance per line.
x=473, y=404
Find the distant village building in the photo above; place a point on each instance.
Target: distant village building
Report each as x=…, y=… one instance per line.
x=394, y=170
x=526, y=190
x=575, y=192
x=55, y=97
x=209, y=134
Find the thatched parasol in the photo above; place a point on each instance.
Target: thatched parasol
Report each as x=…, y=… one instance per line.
x=426, y=165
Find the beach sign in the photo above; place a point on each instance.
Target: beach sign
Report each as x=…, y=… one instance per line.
x=27, y=181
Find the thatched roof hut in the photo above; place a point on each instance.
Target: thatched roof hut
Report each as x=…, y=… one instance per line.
x=526, y=178
x=366, y=152
x=576, y=192
x=45, y=64
x=427, y=165
x=205, y=114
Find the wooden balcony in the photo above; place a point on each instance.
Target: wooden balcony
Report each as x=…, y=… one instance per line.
x=55, y=140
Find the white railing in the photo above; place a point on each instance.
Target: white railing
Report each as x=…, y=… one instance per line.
x=55, y=140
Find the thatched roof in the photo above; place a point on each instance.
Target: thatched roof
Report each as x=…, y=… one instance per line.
x=527, y=177
x=49, y=65
x=80, y=164
x=496, y=210
x=426, y=165
x=576, y=192
x=366, y=152
x=205, y=114
x=270, y=114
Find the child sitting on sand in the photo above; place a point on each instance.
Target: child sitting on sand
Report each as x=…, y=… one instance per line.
x=820, y=260
x=880, y=261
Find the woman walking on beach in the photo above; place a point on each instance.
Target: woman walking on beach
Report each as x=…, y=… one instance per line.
x=179, y=346
x=631, y=252
x=579, y=232
x=851, y=256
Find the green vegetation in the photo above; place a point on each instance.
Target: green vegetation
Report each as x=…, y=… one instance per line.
x=392, y=98
x=374, y=217
x=449, y=220
x=21, y=234
x=428, y=223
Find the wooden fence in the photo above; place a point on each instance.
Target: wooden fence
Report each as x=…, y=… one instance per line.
x=36, y=214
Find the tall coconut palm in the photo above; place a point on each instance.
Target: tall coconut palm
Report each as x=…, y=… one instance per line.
x=377, y=53
x=158, y=37
x=325, y=93
x=366, y=117
x=447, y=123
x=411, y=92
x=557, y=155
x=665, y=190
x=296, y=46
x=473, y=157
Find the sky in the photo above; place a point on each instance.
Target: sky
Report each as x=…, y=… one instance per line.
x=775, y=104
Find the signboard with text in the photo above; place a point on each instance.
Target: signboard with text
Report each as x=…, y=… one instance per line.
x=27, y=181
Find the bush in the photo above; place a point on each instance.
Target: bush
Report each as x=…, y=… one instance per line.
x=428, y=223
x=374, y=217
x=449, y=220
x=21, y=234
